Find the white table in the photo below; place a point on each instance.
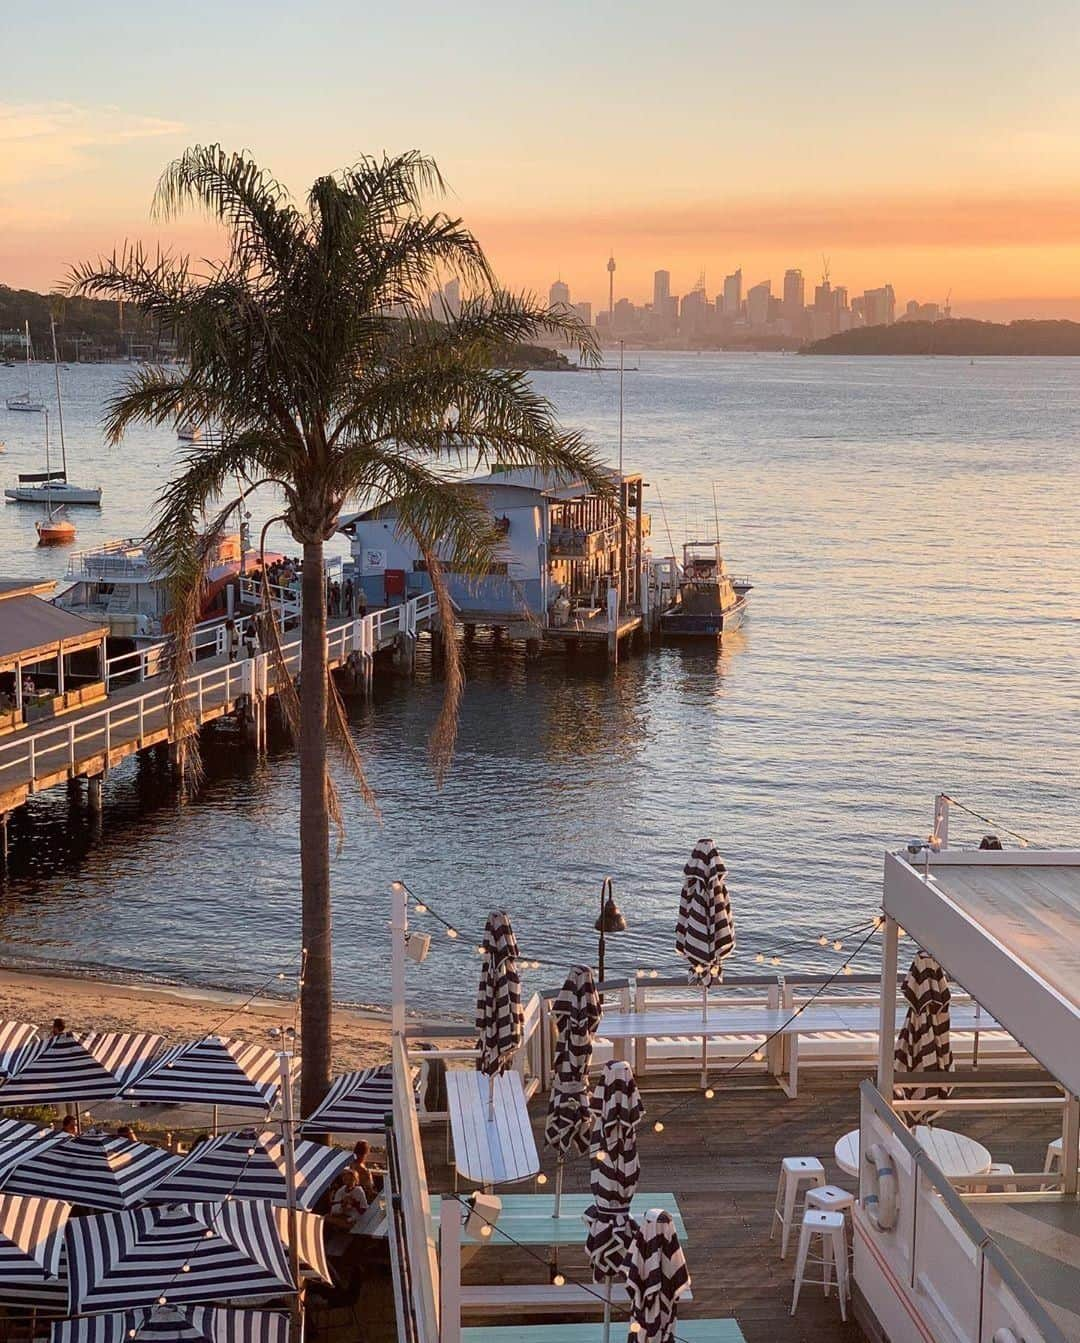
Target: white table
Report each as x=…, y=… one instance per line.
x=952, y=1153
x=492, y=1145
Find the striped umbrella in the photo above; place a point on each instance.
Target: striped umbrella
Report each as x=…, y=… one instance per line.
x=19, y=1140
x=169, y=1324
x=705, y=930
x=355, y=1103
x=310, y=1245
x=31, y=1242
x=619, y=1109
x=923, y=1043
x=95, y=1171
x=211, y=1071
x=15, y=1038
x=656, y=1276
x=175, y=1254
x=500, y=1018
x=250, y=1165
x=576, y=1012
x=92, y=1067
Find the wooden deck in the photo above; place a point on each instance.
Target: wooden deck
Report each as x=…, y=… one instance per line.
x=721, y=1159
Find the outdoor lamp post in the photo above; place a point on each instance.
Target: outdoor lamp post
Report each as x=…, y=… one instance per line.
x=611, y=920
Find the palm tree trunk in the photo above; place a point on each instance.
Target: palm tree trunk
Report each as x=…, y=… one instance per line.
x=317, y=991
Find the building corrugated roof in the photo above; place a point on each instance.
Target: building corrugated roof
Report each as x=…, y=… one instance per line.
x=30, y=625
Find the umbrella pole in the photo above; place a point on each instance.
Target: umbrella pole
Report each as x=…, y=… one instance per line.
x=558, y=1188
x=491, y=1098
x=213, y=1122
x=607, y=1311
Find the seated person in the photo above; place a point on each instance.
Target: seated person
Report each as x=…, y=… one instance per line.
x=348, y=1204
x=369, y=1179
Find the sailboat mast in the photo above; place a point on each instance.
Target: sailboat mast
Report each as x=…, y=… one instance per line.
x=48, y=471
x=29, y=380
x=59, y=398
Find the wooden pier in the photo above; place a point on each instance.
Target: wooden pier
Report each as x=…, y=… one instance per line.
x=90, y=740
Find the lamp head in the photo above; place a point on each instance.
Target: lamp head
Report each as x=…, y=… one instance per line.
x=612, y=919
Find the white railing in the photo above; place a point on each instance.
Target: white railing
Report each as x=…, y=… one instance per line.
x=284, y=601
x=64, y=746
x=939, y=1255
x=416, y=1276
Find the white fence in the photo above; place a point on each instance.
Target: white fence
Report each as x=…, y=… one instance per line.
x=130, y=719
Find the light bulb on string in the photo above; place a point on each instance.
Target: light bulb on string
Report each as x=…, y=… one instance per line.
x=838, y=945
x=823, y=941
x=451, y=932
x=760, y=958
x=658, y=1127
x=775, y=960
x=421, y=909
x=541, y=1178
x=709, y=1093
x=641, y=974
x=758, y=1055
x=559, y=1280
x=485, y=1230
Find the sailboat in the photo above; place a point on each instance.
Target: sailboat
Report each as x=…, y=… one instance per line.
x=53, y=488
x=26, y=400
x=54, y=529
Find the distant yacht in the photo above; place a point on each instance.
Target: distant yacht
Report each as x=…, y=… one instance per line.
x=709, y=602
x=27, y=400
x=188, y=432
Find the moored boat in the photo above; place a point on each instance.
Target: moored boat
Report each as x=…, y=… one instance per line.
x=709, y=602
x=26, y=400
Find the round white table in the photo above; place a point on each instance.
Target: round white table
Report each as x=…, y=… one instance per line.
x=951, y=1152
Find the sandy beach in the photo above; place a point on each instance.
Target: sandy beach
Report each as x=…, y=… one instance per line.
x=178, y=1014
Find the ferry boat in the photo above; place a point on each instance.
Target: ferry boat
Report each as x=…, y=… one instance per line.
x=120, y=584
x=709, y=602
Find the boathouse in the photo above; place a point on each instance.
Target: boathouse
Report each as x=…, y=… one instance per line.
x=50, y=660
x=569, y=567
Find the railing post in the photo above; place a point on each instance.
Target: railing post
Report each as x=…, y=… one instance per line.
x=33, y=762
x=887, y=1020
x=141, y=706
x=450, y=1270
x=71, y=746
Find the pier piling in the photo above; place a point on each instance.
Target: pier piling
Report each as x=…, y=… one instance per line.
x=93, y=791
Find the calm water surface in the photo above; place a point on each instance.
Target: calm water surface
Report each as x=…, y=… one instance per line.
x=912, y=529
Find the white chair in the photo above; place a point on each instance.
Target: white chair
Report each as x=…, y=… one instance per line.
x=832, y=1229
x=1053, y=1156
x=995, y=1179
x=794, y=1172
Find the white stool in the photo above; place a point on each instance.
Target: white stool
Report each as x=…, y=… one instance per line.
x=1053, y=1156
x=994, y=1179
x=831, y=1228
x=794, y=1171
x=829, y=1198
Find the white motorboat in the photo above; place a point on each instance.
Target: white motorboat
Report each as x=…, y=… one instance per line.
x=26, y=400
x=188, y=432
x=52, y=489
x=55, y=528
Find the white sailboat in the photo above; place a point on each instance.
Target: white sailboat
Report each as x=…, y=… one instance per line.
x=54, y=529
x=53, y=489
x=26, y=400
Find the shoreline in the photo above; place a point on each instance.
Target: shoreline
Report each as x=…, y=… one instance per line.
x=177, y=1012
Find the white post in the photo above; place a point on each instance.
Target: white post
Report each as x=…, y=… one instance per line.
x=399, y=931
x=449, y=1270
x=288, y=1140
x=941, y=819
x=1070, y=1139
x=887, y=1021
x=60, y=673
x=558, y=1188
x=18, y=686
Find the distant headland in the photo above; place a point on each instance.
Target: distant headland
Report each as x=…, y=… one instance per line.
x=956, y=336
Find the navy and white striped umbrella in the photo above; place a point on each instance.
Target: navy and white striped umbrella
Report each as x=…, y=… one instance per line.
x=608, y=1235
x=175, y=1254
x=211, y=1071
x=92, y=1170
x=15, y=1038
x=500, y=1018
x=576, y=1013
x=356, y=1102
x=705, y=929
x=615, y=1170
x=656, y=1276
x=19, y=1140
x=31, y=1242
x=923, y=1044
x=310, y=1246
x=169, y=1324
x=250, y=1165
x=92, y=1067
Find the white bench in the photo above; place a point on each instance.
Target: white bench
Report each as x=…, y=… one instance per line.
x=491, y=1144
x=541, y=1298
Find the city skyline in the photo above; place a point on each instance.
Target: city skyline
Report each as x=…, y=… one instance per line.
x=938, y=154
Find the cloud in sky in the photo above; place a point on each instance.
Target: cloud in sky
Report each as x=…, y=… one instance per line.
x=38, y=140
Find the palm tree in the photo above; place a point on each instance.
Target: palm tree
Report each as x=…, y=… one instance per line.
x=315, y=366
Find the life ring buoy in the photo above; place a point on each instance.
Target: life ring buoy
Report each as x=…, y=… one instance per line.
x=881, y=1203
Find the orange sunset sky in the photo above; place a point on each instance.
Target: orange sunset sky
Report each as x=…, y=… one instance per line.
x=933, y=147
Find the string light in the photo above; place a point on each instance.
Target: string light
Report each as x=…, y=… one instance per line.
x=485, y=1230
x=775, y=960
x=479, y=950
x=541, y=1178
x=760, y=958
x=421, y=909
x=559, y=1280
x=823, y=941
x=658, y=1127
x=451, y=933
x=758, y=1055
x=709, y=1093
x=838, y=945
x=847, y=968
x=600, y=1154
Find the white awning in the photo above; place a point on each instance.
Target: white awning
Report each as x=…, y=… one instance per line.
x=1006, y=926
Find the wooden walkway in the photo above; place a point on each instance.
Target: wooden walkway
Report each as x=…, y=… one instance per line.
x=92, y=740
x=721, y=1159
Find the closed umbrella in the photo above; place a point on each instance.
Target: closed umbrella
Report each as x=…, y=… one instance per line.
x=613, y=1178
x=923, y=1043
x=97, y=1172
x=92, y=1067
x=31, y=1241
x=15, y=1038
x=656, y=1276
x=186, y=1253
x=576, y=1012
x=211, y=1071
x=250, y=1165
x=169, y=1324
x=500, y=1019
x=705, y=929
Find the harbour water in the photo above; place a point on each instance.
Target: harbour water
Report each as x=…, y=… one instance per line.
x=913, y=531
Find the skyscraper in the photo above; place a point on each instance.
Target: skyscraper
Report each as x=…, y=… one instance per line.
x=794, y=295
x=559, y=295
x=611, y=288
x=661, y=290
x=733, y=294
x=758, y=300
x=452, y=296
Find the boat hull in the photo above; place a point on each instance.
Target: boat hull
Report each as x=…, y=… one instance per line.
x=34, y=407
x=54, y=496
x=679, y=624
